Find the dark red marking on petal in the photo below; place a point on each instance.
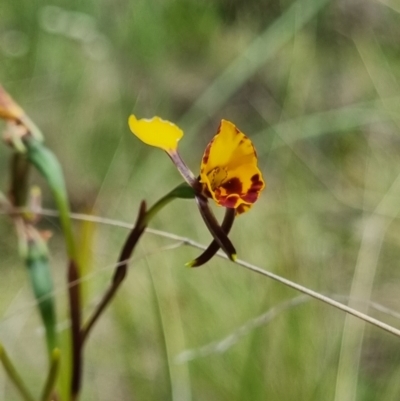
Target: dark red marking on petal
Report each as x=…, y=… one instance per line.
x=256, y=183
x=233, y=186
x=237, y=131
x=207, y=152
x=252, y=194
x=229, y=201
x=250, y=197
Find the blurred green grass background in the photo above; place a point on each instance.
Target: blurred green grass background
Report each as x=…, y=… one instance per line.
x=316, y=85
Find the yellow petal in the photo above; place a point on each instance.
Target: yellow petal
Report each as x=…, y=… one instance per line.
x=229, y=147
x=229, y=169
x=156, y=132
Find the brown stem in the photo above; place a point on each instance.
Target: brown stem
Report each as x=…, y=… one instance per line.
x=75, y=312
x=120, y=271
x=19, y=179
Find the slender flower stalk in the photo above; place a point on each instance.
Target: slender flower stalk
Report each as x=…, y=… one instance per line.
x=187, y=175
x=120, y=271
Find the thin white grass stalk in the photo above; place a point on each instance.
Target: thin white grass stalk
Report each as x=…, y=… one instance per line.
x=231, y=339
x=384, y=309
x=61, y=288
x=239, y=262
x=320, y=297
x=221, y=346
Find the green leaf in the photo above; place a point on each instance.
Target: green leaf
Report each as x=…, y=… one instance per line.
x=47, y=164
x=14, y=376
x=42, y=284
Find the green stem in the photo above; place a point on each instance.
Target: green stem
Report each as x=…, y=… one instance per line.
x=14, y=376
x=52, y=375
x=182, y=191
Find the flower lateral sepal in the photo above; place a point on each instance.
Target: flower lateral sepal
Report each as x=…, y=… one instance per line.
x=215, y=229
x=213, y=248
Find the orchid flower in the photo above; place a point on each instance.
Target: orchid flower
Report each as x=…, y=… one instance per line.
x=228, y=174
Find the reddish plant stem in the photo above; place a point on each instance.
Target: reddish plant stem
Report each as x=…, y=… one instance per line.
x=120, y=271
x=75, y=312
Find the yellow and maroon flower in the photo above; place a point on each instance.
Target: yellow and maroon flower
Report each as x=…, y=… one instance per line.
x=229, y=169
x=228, y=174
